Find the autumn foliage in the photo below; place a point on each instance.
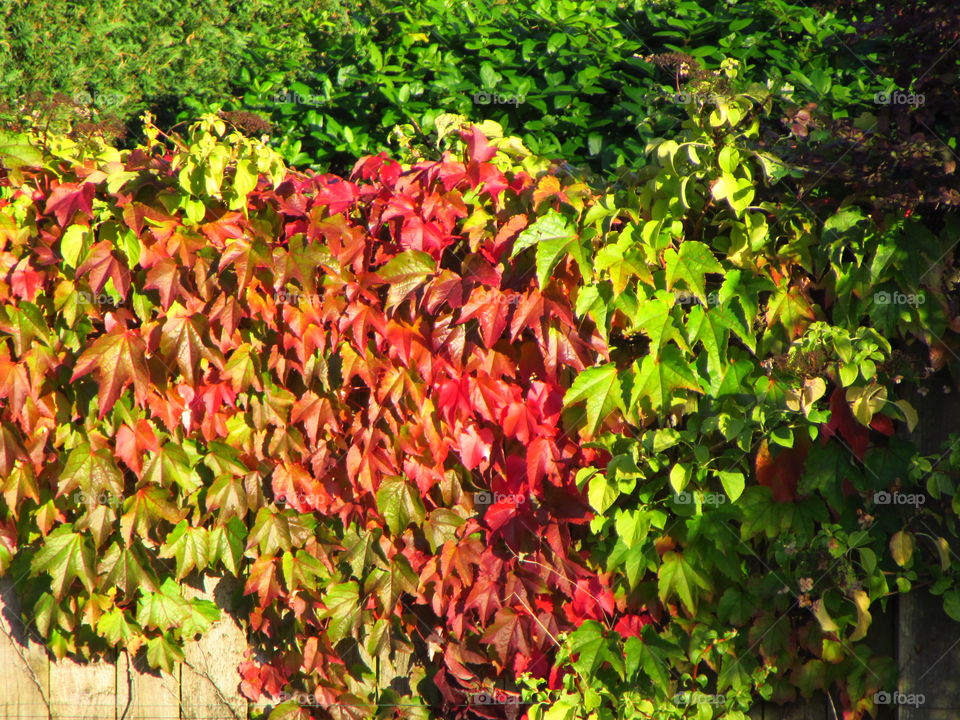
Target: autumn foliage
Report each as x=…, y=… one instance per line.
x=345, y=392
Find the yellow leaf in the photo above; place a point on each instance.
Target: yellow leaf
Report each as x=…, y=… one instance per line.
x=901, y=547
x=862, y=601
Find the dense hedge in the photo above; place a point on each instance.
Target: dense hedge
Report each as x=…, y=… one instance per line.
x=119, y=57
x=469, y=430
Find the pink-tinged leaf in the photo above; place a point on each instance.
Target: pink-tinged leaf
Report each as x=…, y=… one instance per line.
x=477, y=146
x=102, y=265
x=67, y=199
x=475, y=446
x=25, y=281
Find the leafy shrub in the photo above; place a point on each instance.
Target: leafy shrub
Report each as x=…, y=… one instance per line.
x=117, y=57
x=589, y=82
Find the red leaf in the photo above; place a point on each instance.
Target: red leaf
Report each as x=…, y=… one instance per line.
x=67, y=199
x=101, y=265
x=477, y=146
x=118, y=358
x=475, y=446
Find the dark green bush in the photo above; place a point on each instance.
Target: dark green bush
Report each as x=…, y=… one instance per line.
x=588, y=81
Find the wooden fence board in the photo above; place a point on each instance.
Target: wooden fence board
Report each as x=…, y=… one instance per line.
x=210, y=684
x=82, y=691
x=144, y=696
x=25, y=686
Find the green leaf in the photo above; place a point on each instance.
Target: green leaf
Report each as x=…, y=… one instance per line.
x=733, y=484
x=116, y=628
x=190, y=546
x=655, y=319
x=163, y=653
x=632, y=526
x=65, y=556
x=600, y=387
x=93, y=473
x=342, y=603
x=951, y=604
x=554, y=239
x=601, y=493
x=678, y=578
x=400, y=504
x=72, y=244
x=163, y=610
x=659, y=377
x=594, y=650
x=405, y=273
x=690, y=266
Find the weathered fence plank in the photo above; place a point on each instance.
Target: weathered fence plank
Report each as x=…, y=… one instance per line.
x=82, y=691
x=143, y=696
x=25, y=688
x=210, y=683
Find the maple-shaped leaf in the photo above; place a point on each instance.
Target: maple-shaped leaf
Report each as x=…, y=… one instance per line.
x=690, y=266
x=227, y=543
x=342, y=607
x=711, y=328
x=117, y=628
x=790, y=307
x=19, y=484
x=600, y=387
x=164, y=653
x=274, y=531
x=405, y=273
x=118, y=359
x=388, y=584
x=133, y=442
x=594, y=650
x=508, y=635
x=302, y=570
x=228, y=495
x=164, y=277
x=144, y=509
x=263, y=580
x=474, y=445
x=67, y=199
x=241, y=369
x=101, y=265
x=65, y=556
x=189, y=545
x=25, y=323
x=400, y=504
x=440, y=526
x=94, y=473
x=554, y=238
x=123, y=567
x=623, y=262
x=163, y=609
x=201, y=615
x=657, y=377
x=655, y=319
x=25, y=281
x=489, y=308
x=478, y=148
x=677, y=578
x=314, y=413
x=182, y=343
x=171, y=466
